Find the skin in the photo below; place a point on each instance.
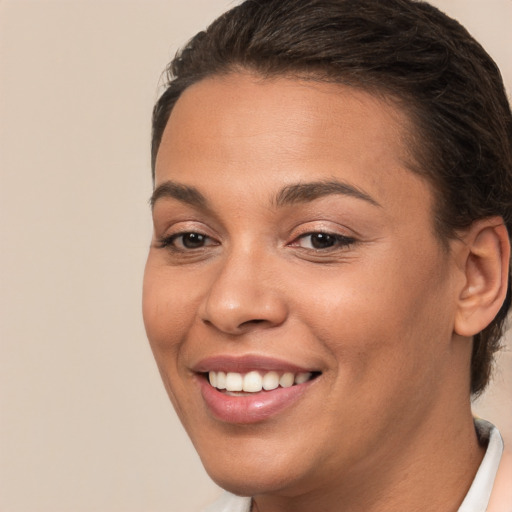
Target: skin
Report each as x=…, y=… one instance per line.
x=387, y=425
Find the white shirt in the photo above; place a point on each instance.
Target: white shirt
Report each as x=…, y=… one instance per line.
x=476, y=499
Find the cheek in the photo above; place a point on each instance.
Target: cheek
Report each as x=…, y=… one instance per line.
x=169, y=303
x=166, y=310
x=385, y=315
x=166, y=318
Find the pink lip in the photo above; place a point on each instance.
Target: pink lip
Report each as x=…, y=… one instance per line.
x=244, y=364
x=250, y=408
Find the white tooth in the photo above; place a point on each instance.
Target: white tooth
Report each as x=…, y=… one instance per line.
x=252, y=382
x=286, y=380
x=301, y=377
x=270, y=381
x=234, y=381
x=221, y=380
x=213, y=379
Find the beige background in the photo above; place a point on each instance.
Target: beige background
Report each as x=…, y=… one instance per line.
x=85, y=424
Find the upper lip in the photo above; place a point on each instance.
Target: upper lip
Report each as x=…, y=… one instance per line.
x=246, y=363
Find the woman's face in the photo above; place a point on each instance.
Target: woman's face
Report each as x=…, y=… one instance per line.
x=292, y=244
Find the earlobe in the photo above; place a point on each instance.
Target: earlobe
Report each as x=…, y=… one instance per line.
x=487, y=259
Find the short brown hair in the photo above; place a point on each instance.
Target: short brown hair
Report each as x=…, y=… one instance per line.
x=450, y=87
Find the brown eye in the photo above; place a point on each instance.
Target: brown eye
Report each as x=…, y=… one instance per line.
x=187, y=241
x=320, y=240
x=192, y=240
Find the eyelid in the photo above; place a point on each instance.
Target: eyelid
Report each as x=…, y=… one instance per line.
x=173, y=236
x=168, y=219
x=168, y=234
x=341, y=238
x=322, y=226
x=176, y=225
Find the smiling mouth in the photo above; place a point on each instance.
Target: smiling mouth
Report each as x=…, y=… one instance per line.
x=251, y=389
x=242, y=384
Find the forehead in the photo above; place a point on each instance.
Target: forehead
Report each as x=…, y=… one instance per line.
x=285, y=130
x=244, y=104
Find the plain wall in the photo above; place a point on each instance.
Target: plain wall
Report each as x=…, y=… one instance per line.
x=85, y=423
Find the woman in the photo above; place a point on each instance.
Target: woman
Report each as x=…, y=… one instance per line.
x=329, y=274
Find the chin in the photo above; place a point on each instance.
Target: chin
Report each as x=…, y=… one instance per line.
x=254, y=473
x=246, y=482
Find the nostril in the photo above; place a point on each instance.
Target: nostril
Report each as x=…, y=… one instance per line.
x=248, y=324
x=252, y=322
x=240, y=328
x=235, y=309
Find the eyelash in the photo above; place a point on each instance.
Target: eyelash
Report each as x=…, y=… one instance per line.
x=168, y=242
x=338, y=241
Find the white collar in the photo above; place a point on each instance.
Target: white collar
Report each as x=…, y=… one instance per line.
x=477, y=498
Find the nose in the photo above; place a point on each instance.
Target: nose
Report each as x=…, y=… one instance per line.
x=243, y=295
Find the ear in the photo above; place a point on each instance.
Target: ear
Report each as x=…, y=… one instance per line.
x=486, y=259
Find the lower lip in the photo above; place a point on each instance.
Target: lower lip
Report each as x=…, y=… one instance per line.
x=250, y=408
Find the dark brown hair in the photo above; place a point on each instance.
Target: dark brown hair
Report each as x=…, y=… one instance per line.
x=406, y=50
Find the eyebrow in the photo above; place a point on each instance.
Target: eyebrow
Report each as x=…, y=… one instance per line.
x=306, y=192
x=183, y=193
x=289, y=195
